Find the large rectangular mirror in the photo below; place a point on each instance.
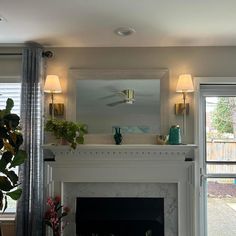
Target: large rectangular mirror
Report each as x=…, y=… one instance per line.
x=135, y=100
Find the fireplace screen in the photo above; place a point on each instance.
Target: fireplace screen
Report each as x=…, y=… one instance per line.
x=120, y=217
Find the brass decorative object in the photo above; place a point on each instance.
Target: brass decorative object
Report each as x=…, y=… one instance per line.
x=180, y=107
x=58, y=109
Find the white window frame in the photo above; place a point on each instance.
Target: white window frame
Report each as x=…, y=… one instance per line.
x=199, y=128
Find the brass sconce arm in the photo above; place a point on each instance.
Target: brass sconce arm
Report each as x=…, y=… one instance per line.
x=184, y=85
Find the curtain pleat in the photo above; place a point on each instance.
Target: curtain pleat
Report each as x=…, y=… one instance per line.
x=29, y=218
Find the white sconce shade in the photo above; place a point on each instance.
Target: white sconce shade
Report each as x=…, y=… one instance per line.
x=185, y=84
x=52, y=84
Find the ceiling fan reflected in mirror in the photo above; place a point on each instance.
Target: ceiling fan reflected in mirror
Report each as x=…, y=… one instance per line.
x=128, y=98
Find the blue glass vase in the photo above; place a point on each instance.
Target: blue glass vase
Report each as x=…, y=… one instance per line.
x=117, y=136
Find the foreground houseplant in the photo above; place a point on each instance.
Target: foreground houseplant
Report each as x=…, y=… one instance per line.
x=70, y=131
x=11, y=155
x=54, y=214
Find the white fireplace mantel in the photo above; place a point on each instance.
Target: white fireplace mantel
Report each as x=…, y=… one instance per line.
x=127, y=164
x=124, y=152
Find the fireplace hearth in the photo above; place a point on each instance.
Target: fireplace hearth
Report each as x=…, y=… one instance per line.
x=105, y=216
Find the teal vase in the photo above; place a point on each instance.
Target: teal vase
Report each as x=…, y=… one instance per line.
x=174, y=135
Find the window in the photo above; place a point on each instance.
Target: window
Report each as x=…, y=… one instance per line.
x=218, y=167
x=11, y=90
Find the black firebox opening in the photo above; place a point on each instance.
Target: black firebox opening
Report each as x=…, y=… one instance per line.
x=120, y=217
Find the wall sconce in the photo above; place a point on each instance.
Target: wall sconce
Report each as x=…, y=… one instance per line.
x=184, y=86
x=52, y=85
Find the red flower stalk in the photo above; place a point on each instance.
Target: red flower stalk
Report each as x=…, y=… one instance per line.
x=54, y=214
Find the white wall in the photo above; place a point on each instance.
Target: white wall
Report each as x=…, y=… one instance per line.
x=10, y=65
x=199, y=61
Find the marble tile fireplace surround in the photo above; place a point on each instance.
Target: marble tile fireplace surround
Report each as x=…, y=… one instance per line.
x=126, y=171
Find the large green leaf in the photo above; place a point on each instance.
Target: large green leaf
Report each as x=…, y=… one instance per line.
x=11, y=121
x=12, y=176
x=19, y=158
x=19, y=139
x=15, y=195
x=7, y=156
x=1, y=200
x=3, y=132
x=9, y=105
x=5, y=184
x=3, y=165
x=1, y=143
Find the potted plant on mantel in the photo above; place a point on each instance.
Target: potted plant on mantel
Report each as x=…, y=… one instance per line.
x=11, y=155
x=71, y=132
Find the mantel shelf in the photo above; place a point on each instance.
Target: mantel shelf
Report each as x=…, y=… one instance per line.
x=123, y=152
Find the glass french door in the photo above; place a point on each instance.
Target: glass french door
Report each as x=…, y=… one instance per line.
x=218, y=167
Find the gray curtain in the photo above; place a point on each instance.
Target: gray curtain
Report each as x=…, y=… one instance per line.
x=30, y=206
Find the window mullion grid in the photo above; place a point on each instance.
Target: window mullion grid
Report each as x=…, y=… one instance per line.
x=221, y=162
x=220, y=176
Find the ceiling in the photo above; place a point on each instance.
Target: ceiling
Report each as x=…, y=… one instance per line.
x=91, y=23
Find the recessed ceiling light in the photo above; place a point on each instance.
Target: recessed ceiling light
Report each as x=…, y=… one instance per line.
x=124, y=31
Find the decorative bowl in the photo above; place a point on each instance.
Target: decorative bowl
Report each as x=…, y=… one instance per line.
x=162, y=139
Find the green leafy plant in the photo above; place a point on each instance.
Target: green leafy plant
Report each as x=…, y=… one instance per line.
x=11, y=155
x=72, y=132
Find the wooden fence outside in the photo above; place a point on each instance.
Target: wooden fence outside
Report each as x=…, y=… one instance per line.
x=221, y=150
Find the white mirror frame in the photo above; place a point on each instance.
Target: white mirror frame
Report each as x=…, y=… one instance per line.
x=114, y=74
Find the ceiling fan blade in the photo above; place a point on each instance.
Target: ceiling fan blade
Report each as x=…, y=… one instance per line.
x=144, y=95
x=115, y=94
x=111, y=89
x=115, y=103
x=108, y=96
